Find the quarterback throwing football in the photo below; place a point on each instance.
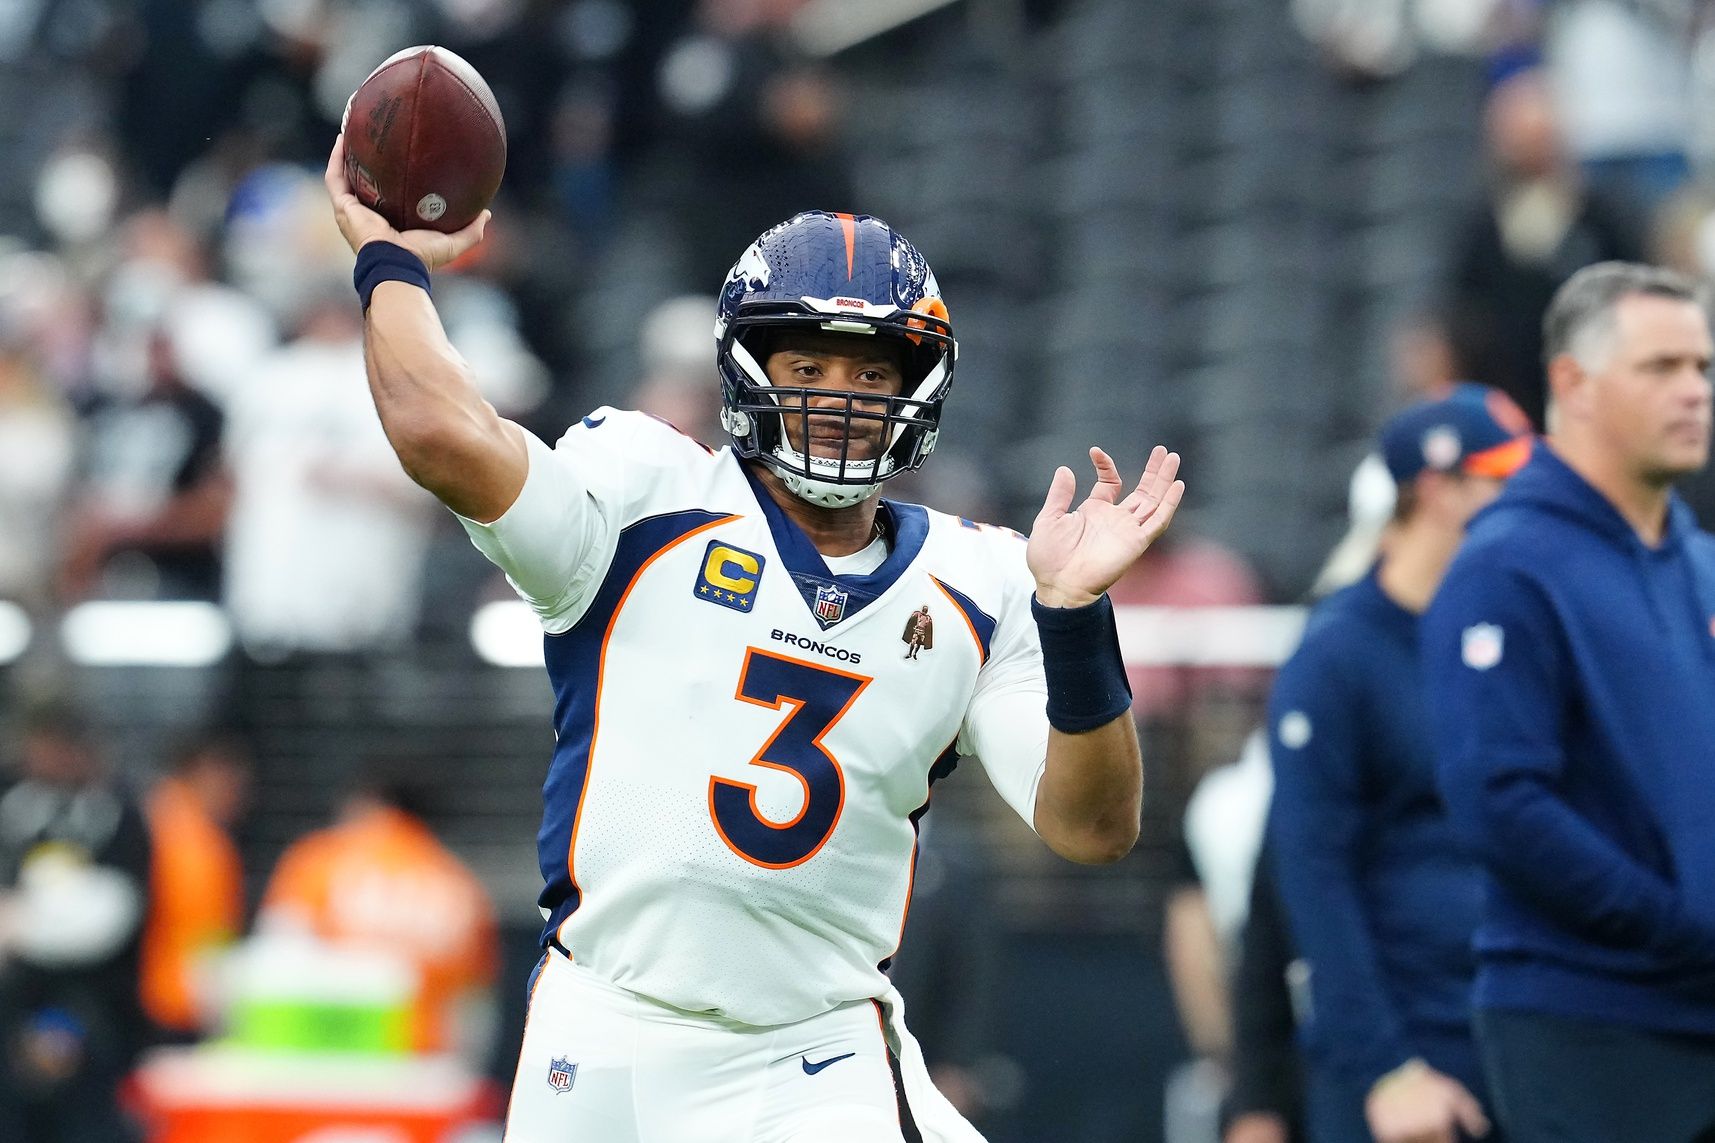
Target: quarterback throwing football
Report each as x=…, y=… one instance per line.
x=729, y=830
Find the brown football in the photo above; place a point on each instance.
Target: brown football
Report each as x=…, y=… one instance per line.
x=424, y=143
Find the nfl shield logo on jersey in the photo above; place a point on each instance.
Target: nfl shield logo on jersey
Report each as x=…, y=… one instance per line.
x=830, y=604
x=1483, y=645
x=561, y=1073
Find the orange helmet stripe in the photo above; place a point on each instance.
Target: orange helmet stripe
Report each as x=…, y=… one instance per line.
x=849, y=224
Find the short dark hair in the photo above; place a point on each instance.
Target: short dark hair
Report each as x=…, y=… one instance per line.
x=1586, y=301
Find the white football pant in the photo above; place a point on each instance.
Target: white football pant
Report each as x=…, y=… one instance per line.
x=600, y=1064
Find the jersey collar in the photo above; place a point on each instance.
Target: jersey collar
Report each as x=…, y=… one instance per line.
x=907, y=527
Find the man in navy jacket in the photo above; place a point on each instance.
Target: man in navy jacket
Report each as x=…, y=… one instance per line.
x=1380, y=897
x=1570, y=657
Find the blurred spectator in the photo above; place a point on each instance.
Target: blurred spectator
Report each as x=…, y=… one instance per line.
x=1382, y=901
x=749, y=131
x=1537, y=225
x=679, y=382
x=37, y=447
x=1621, y=74
x=379, y=880
x=1224, y=820
x=152, y=500
x=1569, y=666
x=1196, y=964
x=1370, y=500
x=1265, y=1103
x=1435, y=348
x=196, y=897
x=325, y=546
x=74, y=871
x=1371, y=40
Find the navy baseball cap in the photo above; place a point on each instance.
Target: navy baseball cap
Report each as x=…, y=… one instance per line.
x=1475, y=430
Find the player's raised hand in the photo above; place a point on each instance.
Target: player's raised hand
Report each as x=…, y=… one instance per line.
x=359, y=224
x=1077, y=553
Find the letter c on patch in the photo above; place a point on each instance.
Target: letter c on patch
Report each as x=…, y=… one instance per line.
x=720, y=559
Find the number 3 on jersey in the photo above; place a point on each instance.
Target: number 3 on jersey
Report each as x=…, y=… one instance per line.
x=817, y=697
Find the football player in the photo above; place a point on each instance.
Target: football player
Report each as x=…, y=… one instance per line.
x=743, y=748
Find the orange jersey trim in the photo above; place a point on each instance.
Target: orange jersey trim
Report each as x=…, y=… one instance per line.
x=601, y=675
x=982, y=653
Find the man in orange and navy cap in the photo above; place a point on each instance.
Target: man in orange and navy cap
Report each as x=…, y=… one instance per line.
x=1380, y=897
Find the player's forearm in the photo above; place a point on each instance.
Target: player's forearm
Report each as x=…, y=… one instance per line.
x=1090, y=801
x=448, y=438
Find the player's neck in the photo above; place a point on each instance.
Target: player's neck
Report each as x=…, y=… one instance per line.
x=834, y=531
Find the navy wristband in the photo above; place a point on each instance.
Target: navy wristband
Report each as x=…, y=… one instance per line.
x=379, y=262
x=1081, y=659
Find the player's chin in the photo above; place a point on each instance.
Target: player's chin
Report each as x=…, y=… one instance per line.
x=857, y=450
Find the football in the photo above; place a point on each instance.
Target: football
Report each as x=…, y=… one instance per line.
x=425, y=146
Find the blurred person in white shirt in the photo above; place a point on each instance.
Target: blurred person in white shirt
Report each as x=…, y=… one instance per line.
x=36, y=449
x=326, y=542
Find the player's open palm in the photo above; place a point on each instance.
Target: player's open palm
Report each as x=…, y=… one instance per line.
x=1077, y=553
x=359, y=224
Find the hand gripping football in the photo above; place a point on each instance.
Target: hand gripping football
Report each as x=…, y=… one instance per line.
x=425, y=146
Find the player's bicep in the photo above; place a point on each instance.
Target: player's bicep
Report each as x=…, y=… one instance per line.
x=483, y=475
x=546, y=537
x=1006, y=723
x=1007, y=730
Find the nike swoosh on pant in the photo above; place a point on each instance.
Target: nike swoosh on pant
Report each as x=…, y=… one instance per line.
x=811, y=1069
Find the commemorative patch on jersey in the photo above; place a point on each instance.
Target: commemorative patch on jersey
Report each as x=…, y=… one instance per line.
x=919, y=633
x=729, y=576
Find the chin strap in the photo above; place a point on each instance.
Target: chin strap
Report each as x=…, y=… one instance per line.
x=826, y=495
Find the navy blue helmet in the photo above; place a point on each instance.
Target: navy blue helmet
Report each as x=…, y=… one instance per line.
x=834, y=273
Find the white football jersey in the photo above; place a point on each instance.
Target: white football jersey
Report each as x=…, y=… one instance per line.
x=746, y=740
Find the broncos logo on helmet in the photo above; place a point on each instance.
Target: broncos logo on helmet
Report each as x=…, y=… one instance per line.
x=833, y=273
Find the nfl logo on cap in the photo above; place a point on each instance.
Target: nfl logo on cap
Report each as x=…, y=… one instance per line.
x=1482, y=646
x=561, y=1073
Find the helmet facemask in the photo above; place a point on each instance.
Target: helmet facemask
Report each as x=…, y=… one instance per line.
x=773, y=423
